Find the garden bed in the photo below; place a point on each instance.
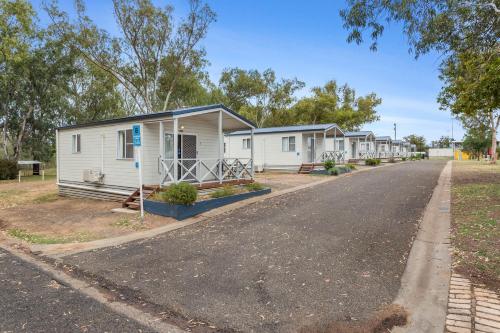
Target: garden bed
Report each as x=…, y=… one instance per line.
x=340, y=170
x=204, y=204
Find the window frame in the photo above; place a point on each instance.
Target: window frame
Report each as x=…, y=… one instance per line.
x=286, y=147
x=247, y=143
x=123, y=149
x=76, y=143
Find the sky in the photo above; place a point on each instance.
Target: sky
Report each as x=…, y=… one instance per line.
x=306, y=40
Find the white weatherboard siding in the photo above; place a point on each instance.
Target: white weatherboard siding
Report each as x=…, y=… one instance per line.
x=118, y=172
x=122, y=172
x=268, y=150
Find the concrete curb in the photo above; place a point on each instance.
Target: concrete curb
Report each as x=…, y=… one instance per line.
x=146, y=319
x=425, y=282
x=56, y=251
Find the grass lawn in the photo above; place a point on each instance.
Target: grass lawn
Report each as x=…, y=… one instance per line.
x=475, y=219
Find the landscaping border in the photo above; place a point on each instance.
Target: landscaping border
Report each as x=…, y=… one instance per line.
x=182, y=212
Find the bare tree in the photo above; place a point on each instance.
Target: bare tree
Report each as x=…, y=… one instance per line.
x=148, y=35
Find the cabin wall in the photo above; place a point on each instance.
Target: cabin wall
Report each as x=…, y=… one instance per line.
x=268, y=153
x=99, y=152
x=121, y=174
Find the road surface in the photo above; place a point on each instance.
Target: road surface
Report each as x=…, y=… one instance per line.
x=31, y=301
x=332, y=252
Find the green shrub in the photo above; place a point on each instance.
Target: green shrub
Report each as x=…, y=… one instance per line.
x=8, y=169
x=403, y=158
x=223, y=192
x=329, y=164
x=333, y=171
x=351, y=166
x=254, y=186
x=344, y=169
x=373, y=161
x=180, y=194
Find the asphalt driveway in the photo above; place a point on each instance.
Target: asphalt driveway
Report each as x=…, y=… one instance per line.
x=332, y=252
x=31, y=301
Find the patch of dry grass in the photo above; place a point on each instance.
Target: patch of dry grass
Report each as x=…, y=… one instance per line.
x=475, y=219
x=382, y=321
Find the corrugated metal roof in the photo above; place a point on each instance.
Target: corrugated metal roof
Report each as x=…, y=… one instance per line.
x=358, y=133
x=383, y=138
x=169, y=113
x=284, y=129
x=397, y=141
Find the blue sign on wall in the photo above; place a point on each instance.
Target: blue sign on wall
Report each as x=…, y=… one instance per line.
x=136, y=135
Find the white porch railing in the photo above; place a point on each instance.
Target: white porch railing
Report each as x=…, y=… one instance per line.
x=337, y=156
x=367, y=154
x=206, y=170
x=385, y=154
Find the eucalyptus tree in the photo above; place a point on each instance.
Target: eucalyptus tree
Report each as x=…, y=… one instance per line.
x=261, y=97
x=148, y=35
x=466, y=33
x=471, y=91
x=334, y=104
x=417, y=140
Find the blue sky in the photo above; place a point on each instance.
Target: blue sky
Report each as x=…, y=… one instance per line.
x=306, y=40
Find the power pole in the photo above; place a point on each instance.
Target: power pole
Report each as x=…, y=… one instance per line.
x=395, y=131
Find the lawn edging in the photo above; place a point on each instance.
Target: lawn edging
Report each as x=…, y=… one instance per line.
x=425, y=281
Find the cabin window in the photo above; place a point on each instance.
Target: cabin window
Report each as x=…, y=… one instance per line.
x=382, y=148
x=247, y=143
x=365, y=146
x=340, y=145
x=76, y=143
x=125, y=144
x=288, y=143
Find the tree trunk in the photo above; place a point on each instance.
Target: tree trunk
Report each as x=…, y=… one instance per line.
x=493, y=144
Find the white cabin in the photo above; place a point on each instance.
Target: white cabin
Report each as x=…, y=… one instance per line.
x=383, y=146
x=100, y=160
x=360, y=145
x=286, y=148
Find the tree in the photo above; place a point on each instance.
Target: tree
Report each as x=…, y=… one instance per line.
x=417, y=140
x=44, y=84
x=93, y=95
x=259, y=96
x=476, y=142
x=464, y=32
x=471, y=90
x=333, y=104
x=444, y=142
x=445, y=26
x=192, y=88
x=148, y=37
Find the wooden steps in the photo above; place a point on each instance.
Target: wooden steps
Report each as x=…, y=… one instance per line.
x=306, y=168
x=134, y=200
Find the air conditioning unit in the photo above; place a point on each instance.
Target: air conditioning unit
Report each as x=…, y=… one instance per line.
x=92, y=176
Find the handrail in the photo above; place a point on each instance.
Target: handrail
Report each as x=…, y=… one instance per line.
x=206, y=169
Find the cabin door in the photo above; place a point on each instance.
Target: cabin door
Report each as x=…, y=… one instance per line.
x=353, y=150
x=311, y=149
x=187, y=153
